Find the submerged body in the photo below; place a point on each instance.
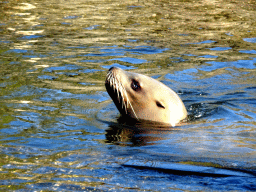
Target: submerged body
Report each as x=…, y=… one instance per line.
x=144, y=98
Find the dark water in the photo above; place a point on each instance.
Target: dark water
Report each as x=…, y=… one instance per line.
x=59, y=130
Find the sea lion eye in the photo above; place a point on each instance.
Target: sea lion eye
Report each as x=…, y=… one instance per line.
x=159, y=105
x=135, y=85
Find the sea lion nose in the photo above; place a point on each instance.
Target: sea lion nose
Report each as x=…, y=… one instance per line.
x=111, y=68
x=114, y=69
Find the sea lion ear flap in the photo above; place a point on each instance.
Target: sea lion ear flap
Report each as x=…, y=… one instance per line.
x=159, y=104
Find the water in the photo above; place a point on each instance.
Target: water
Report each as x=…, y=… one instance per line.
x=59, y=130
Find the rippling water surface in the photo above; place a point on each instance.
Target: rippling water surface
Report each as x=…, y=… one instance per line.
x=59, y=130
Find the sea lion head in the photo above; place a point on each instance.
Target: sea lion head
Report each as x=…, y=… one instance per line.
x=142, y=97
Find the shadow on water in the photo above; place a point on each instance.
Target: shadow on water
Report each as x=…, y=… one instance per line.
x=129, y=132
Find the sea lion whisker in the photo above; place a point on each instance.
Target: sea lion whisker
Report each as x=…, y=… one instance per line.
x=111, y=80
x=108, y=77
x=118, y=89
x=125, y=103
x=119, y=92
x=122, y=91
x=129, y=103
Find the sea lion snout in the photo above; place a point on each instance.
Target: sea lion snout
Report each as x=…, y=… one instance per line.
x=111, y=68
x=114, y=69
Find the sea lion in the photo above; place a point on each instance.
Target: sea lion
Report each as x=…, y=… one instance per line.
x=144, y=98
